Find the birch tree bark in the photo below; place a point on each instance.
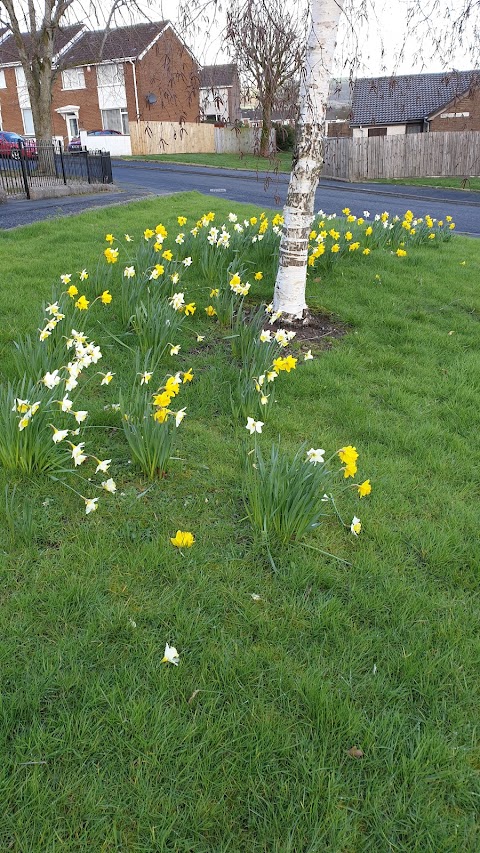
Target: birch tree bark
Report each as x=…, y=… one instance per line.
x=289, y=297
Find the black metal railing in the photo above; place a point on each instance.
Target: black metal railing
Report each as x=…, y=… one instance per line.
x=35, y=165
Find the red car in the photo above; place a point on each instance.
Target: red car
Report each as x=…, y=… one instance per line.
x=10, y=144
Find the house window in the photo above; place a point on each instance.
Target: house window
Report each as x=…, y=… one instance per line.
x=115, y=120
x=377, y=131
x=73, y=78
x=3, y=84
x=414, y=128
x=110, y=75
x=28, y=127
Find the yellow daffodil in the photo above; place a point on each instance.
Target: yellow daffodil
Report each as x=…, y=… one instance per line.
x=364, y=488
x=190, y=308
x=82, y=303
x=400, y=253
x=187, y=376
x=72, y=291
x=161, y=415
x=148, y=233
x=182, y=220
x=182, y=539
x=348, y=454
x=210, y=310
x=111, y=256
x=214, y=292
x=106, y=297
x=258, y=276
x=109, y=238
x=161, y=230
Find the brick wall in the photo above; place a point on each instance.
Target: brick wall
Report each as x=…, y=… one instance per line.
x=168, y=72
x=470, y=103
x=89, y=117
x=11, y=113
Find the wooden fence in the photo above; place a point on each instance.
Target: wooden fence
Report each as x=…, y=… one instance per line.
x=403, y=156
x=161, y=137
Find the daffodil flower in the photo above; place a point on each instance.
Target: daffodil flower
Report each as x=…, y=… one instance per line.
x=179, y=417
x=109, y=486
x=254, y=426
x=107, y=378
x=59, y=434
x=80, y=416
x=103, y=466
x=145, y=377
x=316, y=456
x=356, y=526
x=171, y=655
x=308, y=355
x=90, y=505
x=174, y=350
x=182, y=539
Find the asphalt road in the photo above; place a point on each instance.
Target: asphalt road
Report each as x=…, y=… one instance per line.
x=136, y=179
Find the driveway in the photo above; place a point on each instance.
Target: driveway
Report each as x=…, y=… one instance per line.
x=137, y=179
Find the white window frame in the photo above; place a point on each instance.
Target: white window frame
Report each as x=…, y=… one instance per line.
x=110, y=74
x=73, y=78
x=123, y=123
x=3, y=82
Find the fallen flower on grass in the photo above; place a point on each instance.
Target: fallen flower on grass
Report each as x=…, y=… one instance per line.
x=171, y=655
x=356, y=525
x=90, y=505
x=182, y=539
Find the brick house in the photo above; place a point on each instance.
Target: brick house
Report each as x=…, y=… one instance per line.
x=220, y=93
x=142, y=72
x=416, y=103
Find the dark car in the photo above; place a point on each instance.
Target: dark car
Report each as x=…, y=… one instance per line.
x=75, y=143
x=12, y=143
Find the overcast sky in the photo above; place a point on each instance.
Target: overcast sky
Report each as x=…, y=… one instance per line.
x=376, y=44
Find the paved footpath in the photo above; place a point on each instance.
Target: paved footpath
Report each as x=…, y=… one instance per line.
x=137, y=180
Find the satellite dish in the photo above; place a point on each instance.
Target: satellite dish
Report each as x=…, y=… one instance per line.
x=151, y=98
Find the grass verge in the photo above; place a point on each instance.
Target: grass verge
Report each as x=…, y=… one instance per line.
x=469, y=184
x=280, y=162
x=245, y=746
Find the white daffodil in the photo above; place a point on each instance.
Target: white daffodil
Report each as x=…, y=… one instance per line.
x=90, y=505
x=308, y=355
x=65, y=404
x=180, y=416
x=103, y=466
x=174, y=350
x=316, y=456
x=200, y=338
x=177, y=301
x=171, y=655
x=50, y=380
x=145, y=377
x=265, y=336
x=109, y=486
x=129, y=272
x=80, y=416
x=187, y=262
x=59, y=434
x=254, y=426
x=356, y=525
x=107, y=378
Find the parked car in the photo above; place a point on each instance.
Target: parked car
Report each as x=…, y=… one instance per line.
x=75, y=143
x=10, y=144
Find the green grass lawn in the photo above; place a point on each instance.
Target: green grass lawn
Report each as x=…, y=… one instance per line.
x=472, y=184
x=280, y=162
x=244, y=746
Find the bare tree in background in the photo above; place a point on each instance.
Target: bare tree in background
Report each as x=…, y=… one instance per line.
x=268, y=46
x=35, y=26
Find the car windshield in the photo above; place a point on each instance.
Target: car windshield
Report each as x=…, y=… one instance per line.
x=11, y=137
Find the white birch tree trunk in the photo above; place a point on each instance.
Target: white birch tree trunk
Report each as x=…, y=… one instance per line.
x=298, y=212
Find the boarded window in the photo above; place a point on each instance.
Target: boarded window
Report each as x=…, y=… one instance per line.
x=377, y=131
